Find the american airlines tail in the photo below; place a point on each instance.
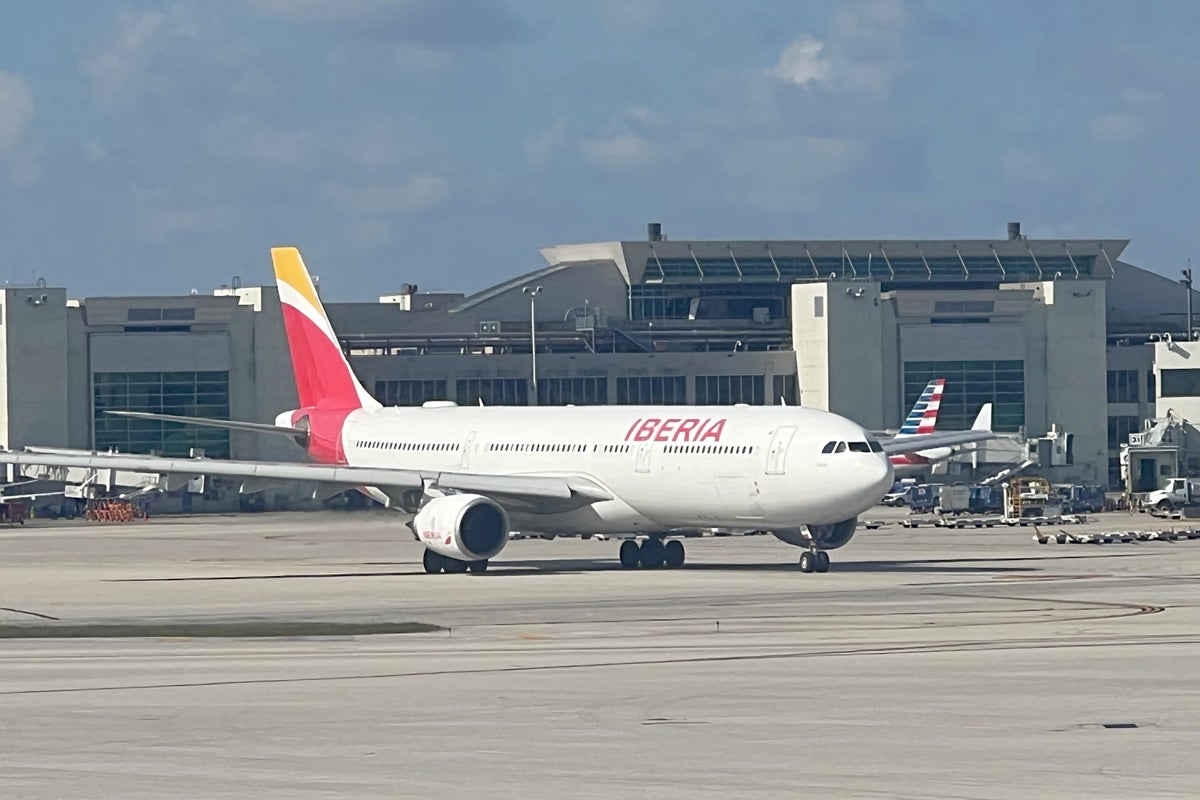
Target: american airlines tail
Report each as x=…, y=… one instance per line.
x=923, y=418
x=323, y=376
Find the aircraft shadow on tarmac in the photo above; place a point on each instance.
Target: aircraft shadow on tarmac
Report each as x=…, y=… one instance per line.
x=516, y=568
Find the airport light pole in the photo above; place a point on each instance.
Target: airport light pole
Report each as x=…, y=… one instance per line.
x=533, y=292
x=1187, y=282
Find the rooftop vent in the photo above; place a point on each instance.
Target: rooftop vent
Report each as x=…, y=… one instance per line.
x=1014, y=231
x=654, y=231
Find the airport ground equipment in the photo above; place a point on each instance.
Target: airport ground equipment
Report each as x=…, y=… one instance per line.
x=1031, y=501
x=1178, y=493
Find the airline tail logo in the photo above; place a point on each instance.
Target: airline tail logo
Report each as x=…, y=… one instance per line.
x=323, y=376
x=923, y=417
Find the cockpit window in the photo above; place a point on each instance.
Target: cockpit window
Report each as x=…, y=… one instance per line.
x=876, y=447
x=828, y=448
x=841, y=447
x=859, y=447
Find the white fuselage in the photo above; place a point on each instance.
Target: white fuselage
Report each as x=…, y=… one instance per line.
x=666, y=467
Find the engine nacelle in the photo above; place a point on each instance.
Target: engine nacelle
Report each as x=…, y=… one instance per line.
x=469, y=527
x=825, y=537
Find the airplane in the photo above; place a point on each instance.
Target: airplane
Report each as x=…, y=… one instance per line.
x=469, y=474
x=922, y=421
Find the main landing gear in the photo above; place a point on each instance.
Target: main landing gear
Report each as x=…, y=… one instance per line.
x=436, y=562
x=652, y=554
x=814, y=561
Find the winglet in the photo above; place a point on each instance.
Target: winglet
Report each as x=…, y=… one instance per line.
x=323, y=375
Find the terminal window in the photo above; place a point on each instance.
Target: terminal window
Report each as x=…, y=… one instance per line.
x=970, y=384
x=1119, y=429
x=787, y=390
x=670, y=390
x=492, y=391
x=1180, y=383
x=409, y=393
x=572, y=391
x=190, y=394
x=725, y=390
x=1123, y=385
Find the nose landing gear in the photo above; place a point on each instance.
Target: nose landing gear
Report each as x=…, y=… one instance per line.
x=652, y=554
x=814, y=561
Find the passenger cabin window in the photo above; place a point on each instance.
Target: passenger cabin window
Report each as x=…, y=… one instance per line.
x=828, y=448
x=859, y=447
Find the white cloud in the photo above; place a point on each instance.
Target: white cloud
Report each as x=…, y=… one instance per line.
x=623, y=151
x=541, y=145
x=16, y=115
x=416, y=193
x=115, y=70
x=1117, y=126
x=863, y=52
x=802, y=64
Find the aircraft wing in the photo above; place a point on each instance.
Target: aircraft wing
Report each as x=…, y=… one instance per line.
x=930, y=441
x=531, y=492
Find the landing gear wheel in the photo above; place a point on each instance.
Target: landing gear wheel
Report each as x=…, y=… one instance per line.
x=806, y=561
x=674, y=554
x=434, y=563
x=822, y=564
x=630, y=554
x=478, y=567
x=653, y=553
x=455, y=567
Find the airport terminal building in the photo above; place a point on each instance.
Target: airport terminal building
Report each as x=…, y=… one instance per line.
x=1055, y=333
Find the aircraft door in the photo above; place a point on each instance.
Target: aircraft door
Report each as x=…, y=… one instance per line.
x=643, y=457
x=468, y=446
x=777, y=451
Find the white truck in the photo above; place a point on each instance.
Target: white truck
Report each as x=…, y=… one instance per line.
x=1178, y=492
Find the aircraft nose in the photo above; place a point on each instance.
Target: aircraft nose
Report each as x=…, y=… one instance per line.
x=877, y=479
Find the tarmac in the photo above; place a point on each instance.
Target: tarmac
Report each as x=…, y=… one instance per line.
x=309, y=656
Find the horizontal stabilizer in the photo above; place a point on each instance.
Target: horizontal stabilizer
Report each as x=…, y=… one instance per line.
x=205, y=422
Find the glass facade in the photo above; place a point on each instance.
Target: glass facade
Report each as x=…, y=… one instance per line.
x=1119, y=429
x=1123, y=385
x=191, y=394
x=708, y=301
x=656, y=391
x=725, y=390
x=409, y=393
x=1180, y=383
x=572, y=391
x=787, y=390
x=970, y=384
x=492, y=391
x=873, y=266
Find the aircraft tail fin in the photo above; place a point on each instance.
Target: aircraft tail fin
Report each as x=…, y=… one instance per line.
x=323, y=375
x=983, y=421
x=922, y=419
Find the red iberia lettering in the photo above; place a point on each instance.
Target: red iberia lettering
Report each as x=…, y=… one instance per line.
x=647, y=430
x=664, y=429
x=685, y=430
x=713, y=434
x=629, y=432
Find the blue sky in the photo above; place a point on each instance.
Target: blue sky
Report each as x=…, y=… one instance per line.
x=159, y=147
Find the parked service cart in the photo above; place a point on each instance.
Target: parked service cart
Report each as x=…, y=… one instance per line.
x=1031, y=501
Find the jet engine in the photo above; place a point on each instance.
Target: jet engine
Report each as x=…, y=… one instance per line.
x=467, y=527
x=825, y=537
